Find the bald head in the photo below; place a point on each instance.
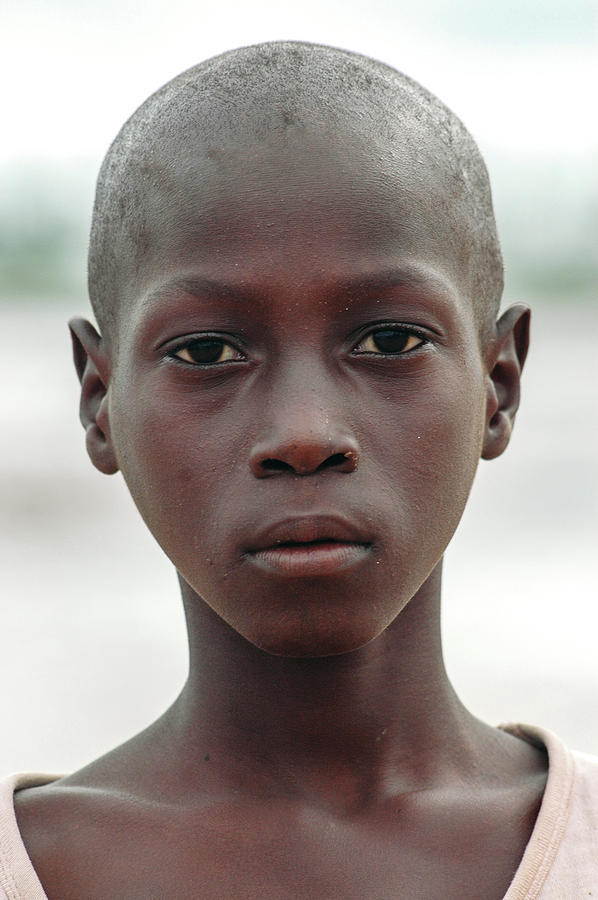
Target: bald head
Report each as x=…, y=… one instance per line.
x=277, y=92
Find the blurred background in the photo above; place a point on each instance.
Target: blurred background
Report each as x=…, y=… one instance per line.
x=92, y=639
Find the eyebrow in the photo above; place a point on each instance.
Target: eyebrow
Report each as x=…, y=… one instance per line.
x=405, y=276
x=199, y=286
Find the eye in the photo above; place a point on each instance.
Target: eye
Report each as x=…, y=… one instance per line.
x=205, y=351
x=389, y=341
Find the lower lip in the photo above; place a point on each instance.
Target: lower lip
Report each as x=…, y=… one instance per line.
x=310, y=559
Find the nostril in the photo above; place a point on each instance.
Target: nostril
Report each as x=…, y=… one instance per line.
x=276, y=465
x=337, y=459
x=304, y=459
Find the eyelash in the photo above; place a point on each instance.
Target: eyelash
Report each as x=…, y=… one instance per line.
x=206, y=339
x=408, y=330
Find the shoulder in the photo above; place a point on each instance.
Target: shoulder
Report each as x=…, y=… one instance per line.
x=69, y=832
x=18, y=877
x=586, y=784
x=572, y=788
x=82, y=836
x=576, y=861
x=561, y=859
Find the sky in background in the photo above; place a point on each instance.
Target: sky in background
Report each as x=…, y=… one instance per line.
x=521, y=611
x=519, y=73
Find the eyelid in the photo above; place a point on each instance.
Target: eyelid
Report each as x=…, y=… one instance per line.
x=422, y=334
x=172, y=347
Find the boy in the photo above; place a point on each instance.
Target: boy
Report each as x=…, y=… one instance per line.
x=296, y=274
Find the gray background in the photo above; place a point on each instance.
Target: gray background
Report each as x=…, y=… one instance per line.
x=92, y=640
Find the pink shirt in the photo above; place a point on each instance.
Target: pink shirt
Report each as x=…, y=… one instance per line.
x=560, y=861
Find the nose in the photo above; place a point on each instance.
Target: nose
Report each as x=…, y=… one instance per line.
x=303, y=441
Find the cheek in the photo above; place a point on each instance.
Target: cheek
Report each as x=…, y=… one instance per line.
x=427, y=458
x=446, y=441
x=172, y=456
x=187, y=469
x=448, y=463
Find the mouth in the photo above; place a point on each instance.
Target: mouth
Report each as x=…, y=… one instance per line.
x=309, y=546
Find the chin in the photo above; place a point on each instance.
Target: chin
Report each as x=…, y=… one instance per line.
x=313, y=645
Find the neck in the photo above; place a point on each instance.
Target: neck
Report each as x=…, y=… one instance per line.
x=365, y=719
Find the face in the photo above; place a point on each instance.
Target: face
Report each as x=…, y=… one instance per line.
x=297, y=404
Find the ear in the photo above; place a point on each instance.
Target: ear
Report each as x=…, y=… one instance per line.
x=505, y=357
x=93, y=369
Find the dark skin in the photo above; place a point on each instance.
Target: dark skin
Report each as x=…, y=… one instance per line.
x=298, y=400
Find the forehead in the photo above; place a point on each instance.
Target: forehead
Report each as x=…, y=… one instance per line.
x=319, y=198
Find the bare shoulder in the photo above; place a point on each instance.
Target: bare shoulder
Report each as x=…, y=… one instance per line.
x=74, y=836
x=89, y=837
x=131, y=826
x=97, y=842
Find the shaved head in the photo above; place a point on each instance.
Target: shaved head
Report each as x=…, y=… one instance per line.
x=301, y=92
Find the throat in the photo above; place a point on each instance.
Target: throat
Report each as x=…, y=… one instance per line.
x=351, y=726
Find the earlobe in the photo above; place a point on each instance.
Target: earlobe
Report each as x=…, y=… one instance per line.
x=93, y=370
x=505, y=358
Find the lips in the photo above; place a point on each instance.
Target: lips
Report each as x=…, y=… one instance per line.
x=309, y=546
